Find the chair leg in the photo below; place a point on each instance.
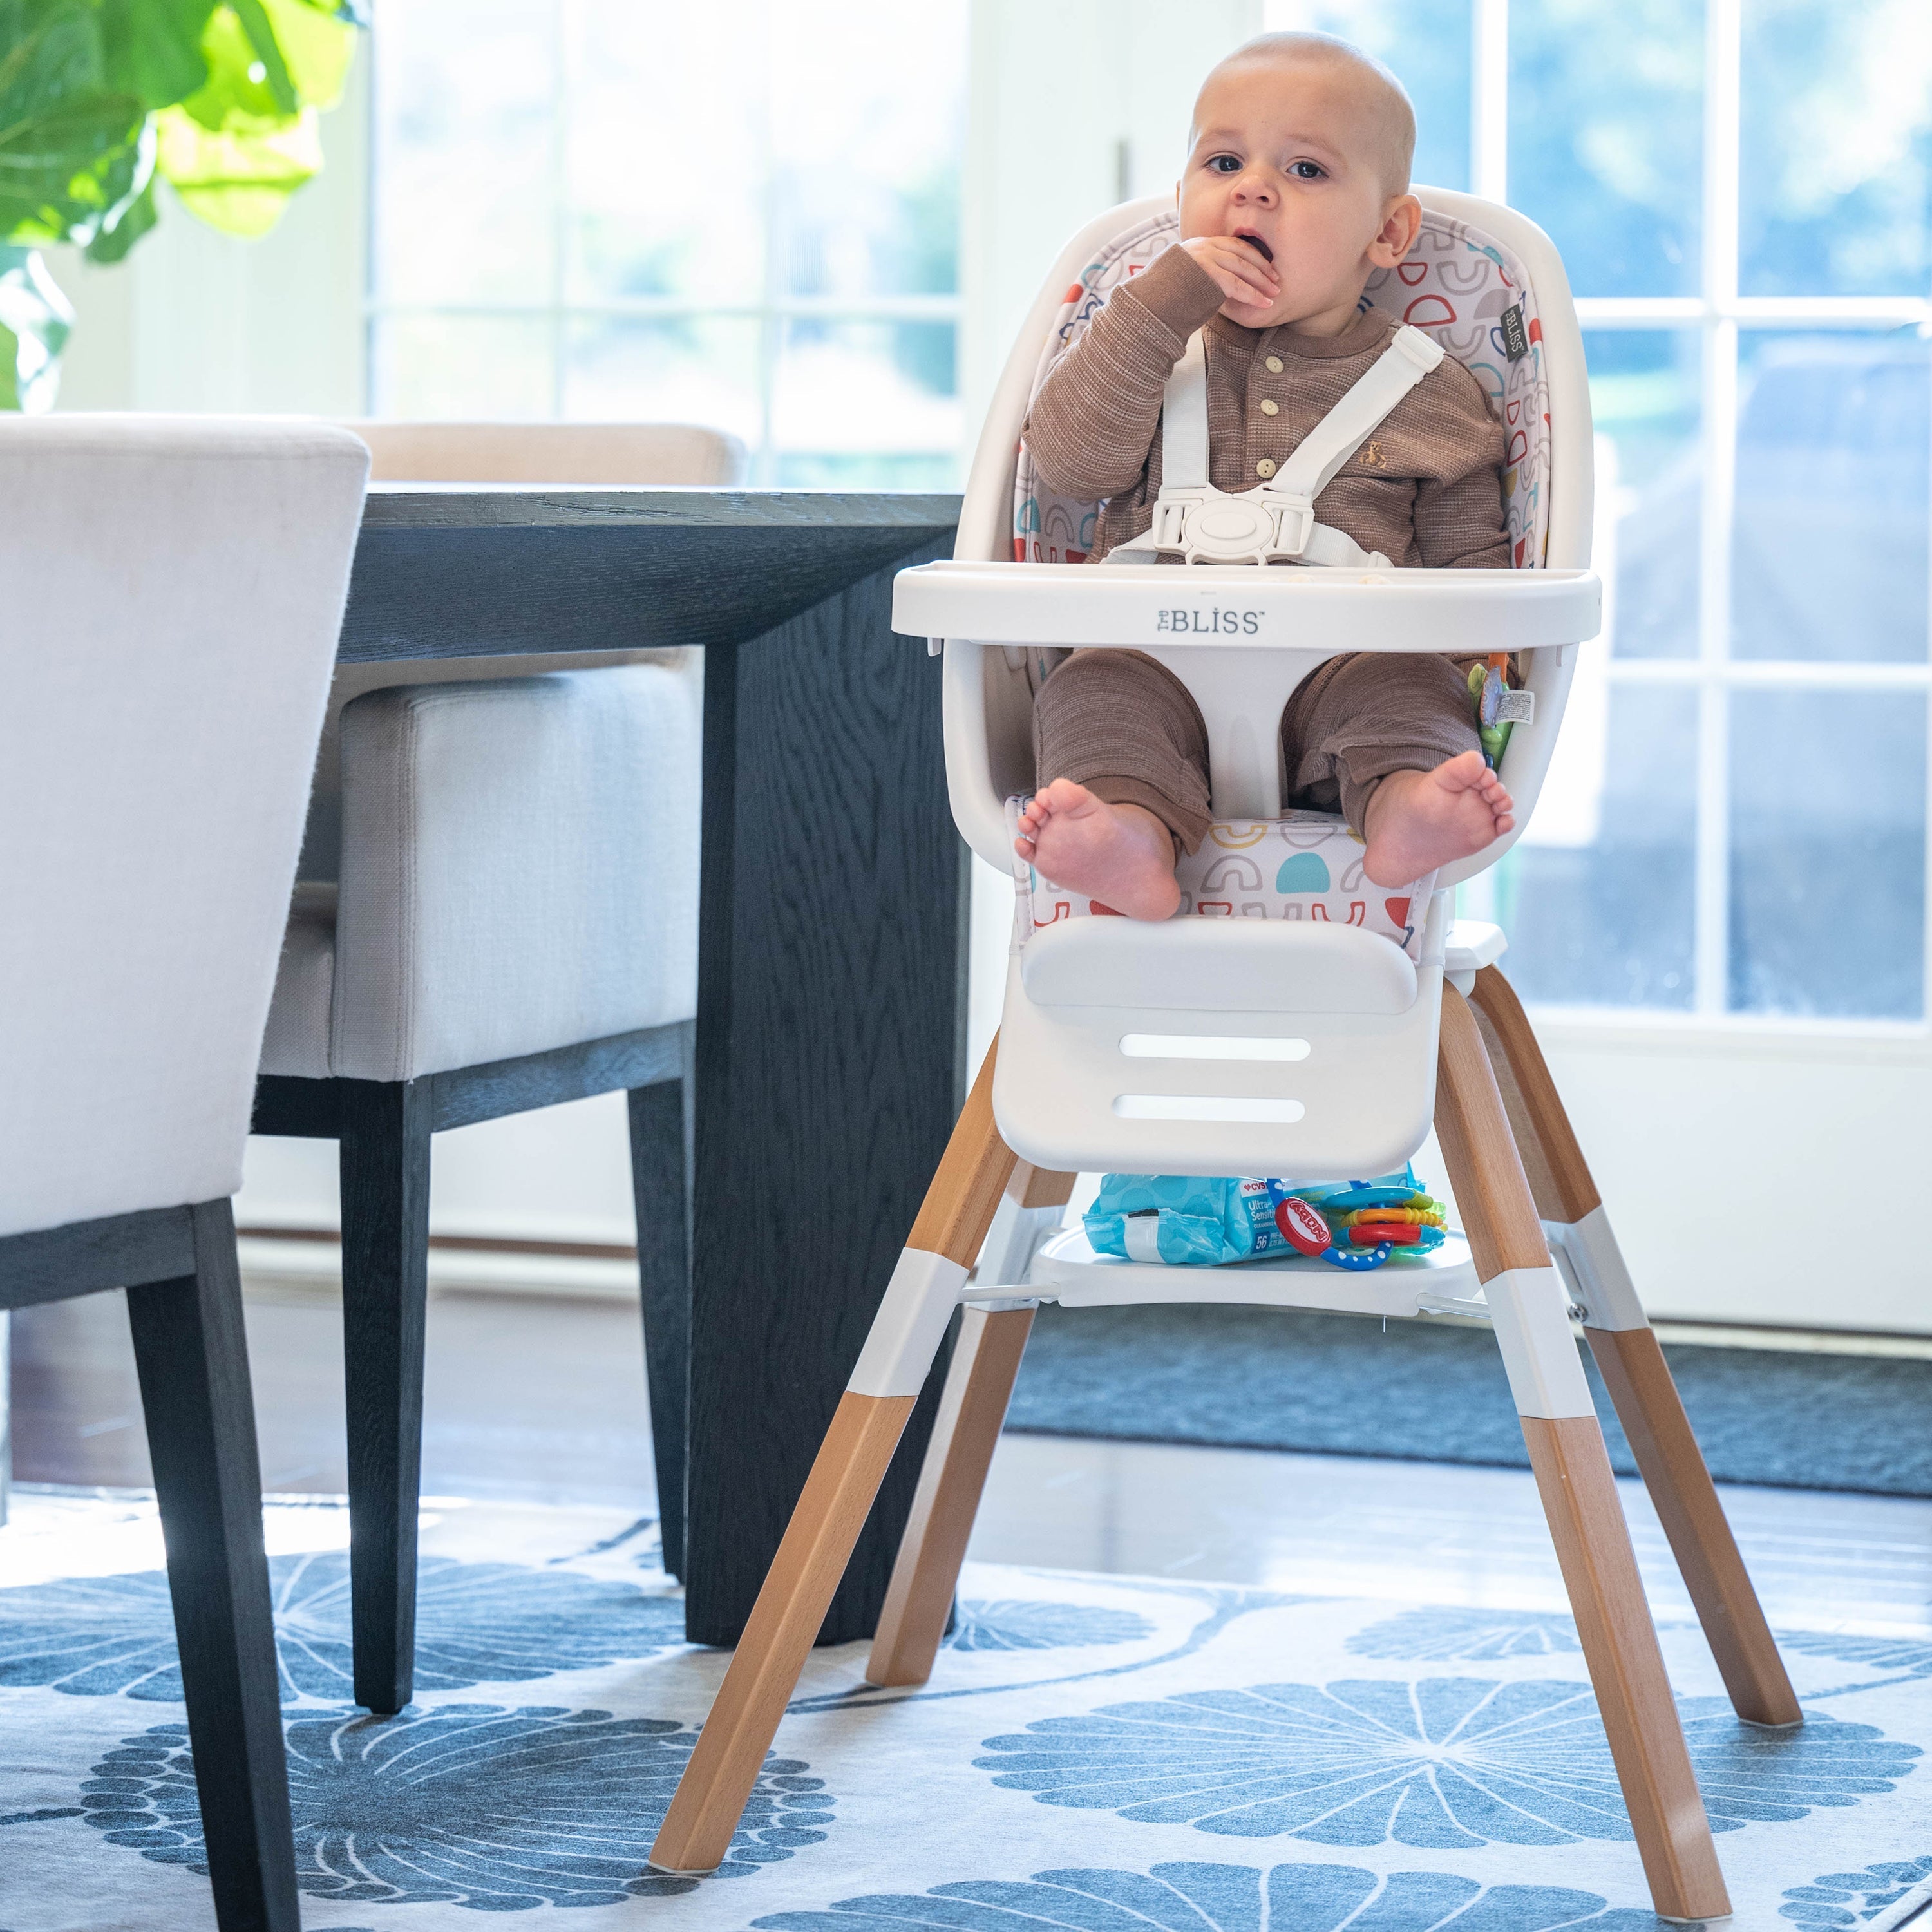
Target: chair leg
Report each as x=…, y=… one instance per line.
x=192, y=1360
x=871, y=1415
x=1529, y=1307
x=661, y=1121
x=385, y=1155
x=972, y=1412
x=1634, y=1371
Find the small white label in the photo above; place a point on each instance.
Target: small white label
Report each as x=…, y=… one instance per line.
x=1517, y=707
x=1142, y=1235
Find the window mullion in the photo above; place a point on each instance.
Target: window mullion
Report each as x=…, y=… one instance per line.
x=1489, y=100
x=1722, y=61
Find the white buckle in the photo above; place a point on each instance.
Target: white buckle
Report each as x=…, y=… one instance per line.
x=1293, y=523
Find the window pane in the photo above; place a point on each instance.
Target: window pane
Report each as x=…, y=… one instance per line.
x=853, y=389
x=1606, y=138
x=1425, y=43
x=1835, y=187
x=1828, y=853
x=667, y=140
x=701, y=369
x=1645, y=397
x=1829, y=560
x=867, y=125
x=1599, y=909
x=462, y=205
x=450, y=368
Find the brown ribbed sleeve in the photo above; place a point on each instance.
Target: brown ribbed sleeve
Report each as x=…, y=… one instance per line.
x=1093, y=422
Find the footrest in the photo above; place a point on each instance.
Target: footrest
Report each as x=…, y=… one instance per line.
x=1066, y=1269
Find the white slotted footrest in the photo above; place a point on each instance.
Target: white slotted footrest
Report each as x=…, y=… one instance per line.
x=1066, y=1269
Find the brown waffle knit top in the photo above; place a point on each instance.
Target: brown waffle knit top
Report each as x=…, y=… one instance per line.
x=1425, y=488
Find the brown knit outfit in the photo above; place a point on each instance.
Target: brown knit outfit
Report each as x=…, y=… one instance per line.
x=1425, y=488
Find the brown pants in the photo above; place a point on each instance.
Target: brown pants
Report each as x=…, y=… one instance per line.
x=1127, y=728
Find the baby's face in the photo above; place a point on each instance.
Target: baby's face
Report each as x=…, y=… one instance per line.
x=1289, y=153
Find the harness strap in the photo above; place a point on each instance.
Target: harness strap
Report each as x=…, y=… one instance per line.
x=1285, y=503
x=1320, y=454
x=1183, y=419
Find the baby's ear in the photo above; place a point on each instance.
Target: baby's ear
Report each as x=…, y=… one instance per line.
x=1402, y=222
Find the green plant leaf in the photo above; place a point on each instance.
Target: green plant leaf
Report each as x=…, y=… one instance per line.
x=153, y=48
x=317, y=38
x=253, y=19
x=71, y=147
x=238, y=182
x=133, y=220
x=34, y=320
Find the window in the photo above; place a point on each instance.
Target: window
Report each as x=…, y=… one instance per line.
x=1742, y=192
x=745, y=214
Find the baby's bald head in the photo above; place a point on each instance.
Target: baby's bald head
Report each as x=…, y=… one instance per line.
x=1373, y=99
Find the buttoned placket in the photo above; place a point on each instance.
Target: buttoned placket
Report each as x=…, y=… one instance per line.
x=1265, y=413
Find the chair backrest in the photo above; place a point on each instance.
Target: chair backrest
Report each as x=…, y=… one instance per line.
x=1474, y=260
x=556, y=454
x=174, y=591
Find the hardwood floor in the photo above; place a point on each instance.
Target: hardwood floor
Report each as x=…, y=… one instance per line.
x=532, y=1398
x=541, y=1398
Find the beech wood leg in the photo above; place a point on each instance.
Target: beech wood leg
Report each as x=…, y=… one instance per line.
x=1529, y=1305
x=945, y=1239
x=1635, y=1371
x=919, y=1599
x=385, y=1155
x=193, y=1361
x=972, y=1412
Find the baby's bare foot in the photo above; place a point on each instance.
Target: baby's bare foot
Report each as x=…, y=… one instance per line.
x=1418, y=820
x=1121, y=855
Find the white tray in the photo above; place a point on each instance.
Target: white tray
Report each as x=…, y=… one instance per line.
x=1238, y=606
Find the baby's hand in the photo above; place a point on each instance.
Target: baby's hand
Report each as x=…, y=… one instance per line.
x=1246, y=277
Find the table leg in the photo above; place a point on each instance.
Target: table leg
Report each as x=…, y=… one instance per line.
x=831, y=1037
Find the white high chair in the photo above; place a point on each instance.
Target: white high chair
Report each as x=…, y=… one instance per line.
x=1267, y=1046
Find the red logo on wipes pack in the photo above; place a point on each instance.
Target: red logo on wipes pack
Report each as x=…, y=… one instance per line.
x=1303, y=1226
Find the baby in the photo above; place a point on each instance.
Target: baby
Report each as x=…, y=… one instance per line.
x=1296, y=192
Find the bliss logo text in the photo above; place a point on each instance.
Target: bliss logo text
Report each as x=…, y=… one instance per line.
x=1209, y=621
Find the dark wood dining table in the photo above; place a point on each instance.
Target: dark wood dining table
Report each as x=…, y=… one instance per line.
x=831, y=1017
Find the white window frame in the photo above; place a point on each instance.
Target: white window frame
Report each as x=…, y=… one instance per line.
x=1718, y=313
x=555, y=306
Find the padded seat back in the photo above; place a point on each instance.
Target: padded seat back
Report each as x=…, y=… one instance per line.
x=174, y=589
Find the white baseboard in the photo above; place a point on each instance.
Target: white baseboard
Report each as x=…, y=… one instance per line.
x=318, y=1264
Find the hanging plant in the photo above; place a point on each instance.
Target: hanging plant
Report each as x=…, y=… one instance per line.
x=99, y=99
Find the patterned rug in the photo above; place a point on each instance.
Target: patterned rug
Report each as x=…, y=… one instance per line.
x=1094, y=1754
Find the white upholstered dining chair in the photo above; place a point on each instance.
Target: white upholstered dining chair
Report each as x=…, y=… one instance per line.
x=155, y=739
x=498, y=911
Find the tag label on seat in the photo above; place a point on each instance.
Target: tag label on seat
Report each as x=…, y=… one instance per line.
x=1516, y=338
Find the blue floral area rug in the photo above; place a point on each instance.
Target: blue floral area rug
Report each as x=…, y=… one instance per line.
x=1093, y=1754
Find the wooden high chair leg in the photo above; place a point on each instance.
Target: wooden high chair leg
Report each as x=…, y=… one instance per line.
x=858, y=1448
x=1529, y=1305
x=986, y=1362
x=1634, y=1368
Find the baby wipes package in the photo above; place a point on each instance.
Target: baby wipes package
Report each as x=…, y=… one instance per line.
x=1190, y=1221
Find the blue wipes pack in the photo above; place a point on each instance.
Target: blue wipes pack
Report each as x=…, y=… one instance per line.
x=1192, y=1221
x=1186, y=1220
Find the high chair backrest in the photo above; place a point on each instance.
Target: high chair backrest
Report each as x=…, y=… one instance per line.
x=1488, y=284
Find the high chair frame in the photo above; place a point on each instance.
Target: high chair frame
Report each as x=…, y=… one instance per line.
x=1449, y=1035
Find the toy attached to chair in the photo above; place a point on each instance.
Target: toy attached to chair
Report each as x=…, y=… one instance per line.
x=1249, y=1042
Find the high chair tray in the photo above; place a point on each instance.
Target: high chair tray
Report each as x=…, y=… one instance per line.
x=1452, y=611
x=1066, y=1269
